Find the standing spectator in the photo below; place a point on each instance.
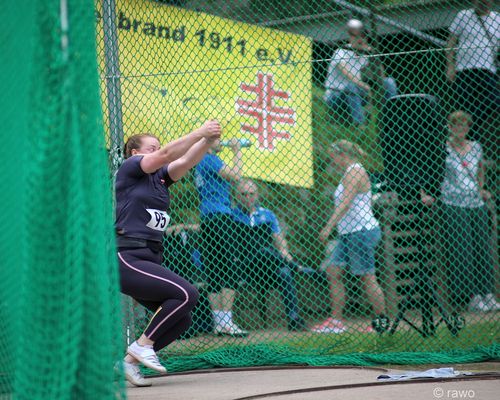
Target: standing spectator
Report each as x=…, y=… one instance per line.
x=345, y=84
x=472, y=68
x=142, y=202
x=264, y=251
x=218, y=231
x=467, y=242
x=358, y=235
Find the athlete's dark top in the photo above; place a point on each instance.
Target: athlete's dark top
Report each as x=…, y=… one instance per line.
x=142, y=200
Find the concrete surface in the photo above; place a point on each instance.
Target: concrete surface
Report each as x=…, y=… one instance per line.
x=236, y=384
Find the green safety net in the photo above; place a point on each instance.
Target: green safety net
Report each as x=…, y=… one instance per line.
x=263, y=355
x=60, y=321
x=310, y=89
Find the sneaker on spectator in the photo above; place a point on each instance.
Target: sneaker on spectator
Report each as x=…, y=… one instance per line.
x=296, y=325
x=477, y=304
x=146, y=356
x=230, y=329
x=331, y=325
x=133, y=374
x=491, y=302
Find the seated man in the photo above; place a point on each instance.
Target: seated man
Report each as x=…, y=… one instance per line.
x=347, y=82
x=263, y=253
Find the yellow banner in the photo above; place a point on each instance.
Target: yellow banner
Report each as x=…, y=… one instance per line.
x=179, y=68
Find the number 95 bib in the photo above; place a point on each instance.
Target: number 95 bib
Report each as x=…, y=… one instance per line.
x=159, y=219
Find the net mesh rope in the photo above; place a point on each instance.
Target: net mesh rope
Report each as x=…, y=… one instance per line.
x=61, y=325
x=390, y=92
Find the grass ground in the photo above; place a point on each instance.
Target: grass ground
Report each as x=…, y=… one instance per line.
x=479, y=331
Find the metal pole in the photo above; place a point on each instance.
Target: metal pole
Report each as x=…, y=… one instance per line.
x=388, y=21
x=112, y=66
x=63, y=8
x=113, y=88
x=376, y=66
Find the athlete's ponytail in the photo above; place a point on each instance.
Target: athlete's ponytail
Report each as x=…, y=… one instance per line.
x=135, y=142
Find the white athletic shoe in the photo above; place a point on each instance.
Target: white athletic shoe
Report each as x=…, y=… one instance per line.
x=478, y=304
x=230, y=329
x=146, y=356
x=134, y=375
x=491, y=302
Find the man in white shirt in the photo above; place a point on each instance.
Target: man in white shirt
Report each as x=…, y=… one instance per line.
x=472, y=66
x=344, y=83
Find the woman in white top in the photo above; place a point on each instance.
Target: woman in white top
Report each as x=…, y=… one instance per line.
x=472, y=51
x=466, y=232
x=358, y=235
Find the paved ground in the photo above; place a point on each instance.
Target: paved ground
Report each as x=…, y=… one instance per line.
x=264, y=384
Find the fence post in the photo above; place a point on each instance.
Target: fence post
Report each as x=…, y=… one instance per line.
x=113, y=76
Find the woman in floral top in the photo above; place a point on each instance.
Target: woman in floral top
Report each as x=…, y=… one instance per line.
x=466, y=230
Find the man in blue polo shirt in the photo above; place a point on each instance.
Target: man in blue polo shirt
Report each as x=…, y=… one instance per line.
x=263, y=251
x=219, y=233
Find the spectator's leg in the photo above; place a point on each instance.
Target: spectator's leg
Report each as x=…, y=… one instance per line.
x=374, y=293
x=334, y=266
x=274, y=271
x=210, y=252
x=361, y=252
x=390, y=88
x=288, y=292
x=335, y=100
x=355, y=98
x=337, y=290
x=456, y=221
x=217, y=251
x=483, y=254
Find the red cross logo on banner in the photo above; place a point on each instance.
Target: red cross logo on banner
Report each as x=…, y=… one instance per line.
x=265, y=111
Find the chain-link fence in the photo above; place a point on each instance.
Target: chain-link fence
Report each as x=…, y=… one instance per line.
x=363, y=183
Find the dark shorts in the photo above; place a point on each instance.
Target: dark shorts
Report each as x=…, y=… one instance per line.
x=477, y=93
x=219, y=236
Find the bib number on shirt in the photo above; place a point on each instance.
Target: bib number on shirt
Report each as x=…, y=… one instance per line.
x=159, y=219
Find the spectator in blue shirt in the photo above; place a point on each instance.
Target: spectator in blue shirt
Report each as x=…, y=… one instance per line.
x=218, y=232
x=264, y=251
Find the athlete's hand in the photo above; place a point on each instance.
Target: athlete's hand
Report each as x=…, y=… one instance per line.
x=211, y=130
